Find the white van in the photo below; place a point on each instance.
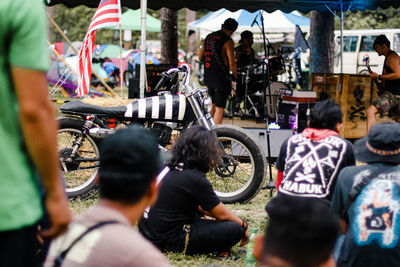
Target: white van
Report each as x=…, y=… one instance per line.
x=357, y=45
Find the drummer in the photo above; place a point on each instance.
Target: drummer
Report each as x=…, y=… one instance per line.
x=245, y=56
x=244, y=53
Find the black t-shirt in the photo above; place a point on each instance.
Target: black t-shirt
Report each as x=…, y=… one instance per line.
x=373, y=219
x=215, y=70
x=310, y=168
x=244, y=58
x=177, y=204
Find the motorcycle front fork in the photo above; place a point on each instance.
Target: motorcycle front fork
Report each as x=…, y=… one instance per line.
x=85, y=130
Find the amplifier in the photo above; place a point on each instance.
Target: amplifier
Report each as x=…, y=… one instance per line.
x=293, y=115
x=153, y=75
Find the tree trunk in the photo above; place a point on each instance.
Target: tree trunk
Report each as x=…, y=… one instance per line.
x=169, y=36
x=321, y=42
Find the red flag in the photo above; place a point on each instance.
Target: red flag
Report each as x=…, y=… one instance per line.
x=107, y=14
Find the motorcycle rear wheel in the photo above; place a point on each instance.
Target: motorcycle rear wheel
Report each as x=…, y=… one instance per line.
x=79, y=172
x=246, y=166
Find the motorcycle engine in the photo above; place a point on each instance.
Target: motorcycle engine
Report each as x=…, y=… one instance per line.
x=163, y=132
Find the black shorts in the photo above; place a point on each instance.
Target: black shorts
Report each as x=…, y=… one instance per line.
x=218, y=98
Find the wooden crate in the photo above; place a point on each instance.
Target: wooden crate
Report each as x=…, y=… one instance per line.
x=326, y=85
x=357, y=95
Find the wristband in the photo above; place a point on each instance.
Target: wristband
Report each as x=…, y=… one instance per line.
x=380, y=77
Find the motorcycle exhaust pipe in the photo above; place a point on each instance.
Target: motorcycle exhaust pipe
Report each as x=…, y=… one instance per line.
x=100, y=132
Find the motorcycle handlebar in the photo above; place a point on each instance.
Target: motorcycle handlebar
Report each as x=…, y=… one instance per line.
x=170, y=74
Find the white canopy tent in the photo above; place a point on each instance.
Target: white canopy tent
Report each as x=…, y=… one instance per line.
x=276, y=23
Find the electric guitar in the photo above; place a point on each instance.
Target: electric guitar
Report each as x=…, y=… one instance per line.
x=378, y=83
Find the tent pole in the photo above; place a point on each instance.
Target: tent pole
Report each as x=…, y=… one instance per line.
x=120, y=57
x=143, y=8
x=76, y=51
x=341, y=37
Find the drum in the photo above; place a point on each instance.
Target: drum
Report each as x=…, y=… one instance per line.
x=254, y=80
x=276, y=65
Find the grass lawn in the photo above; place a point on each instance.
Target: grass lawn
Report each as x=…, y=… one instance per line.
x=252, y=211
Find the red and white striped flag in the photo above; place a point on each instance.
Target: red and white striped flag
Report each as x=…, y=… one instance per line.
x=107, y=14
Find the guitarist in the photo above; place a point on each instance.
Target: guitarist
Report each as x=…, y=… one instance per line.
x=218, y=57
x=389, y=95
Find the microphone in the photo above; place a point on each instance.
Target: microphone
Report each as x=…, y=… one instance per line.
x=254, y=21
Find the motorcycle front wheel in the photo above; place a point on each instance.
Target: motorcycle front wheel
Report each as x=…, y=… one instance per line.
x=79, y=171
x=242, y=172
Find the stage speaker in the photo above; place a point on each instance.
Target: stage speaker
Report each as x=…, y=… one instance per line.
x=153, y=74
x=287, y=115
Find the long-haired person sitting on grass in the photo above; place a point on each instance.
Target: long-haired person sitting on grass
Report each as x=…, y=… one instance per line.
x=176, y=222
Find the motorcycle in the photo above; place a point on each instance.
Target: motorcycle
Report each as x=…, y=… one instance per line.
x=238, y=176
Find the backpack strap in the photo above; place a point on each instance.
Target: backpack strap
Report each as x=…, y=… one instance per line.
x=60, y=258
x=160, y=177
x=356, y=189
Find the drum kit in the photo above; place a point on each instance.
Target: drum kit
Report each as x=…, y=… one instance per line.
x=249, y=98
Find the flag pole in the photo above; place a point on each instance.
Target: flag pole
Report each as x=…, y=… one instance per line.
x=120, y=48
x=143, y=12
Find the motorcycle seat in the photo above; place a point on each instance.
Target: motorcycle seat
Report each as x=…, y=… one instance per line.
x=164, y=107
x=78, y=106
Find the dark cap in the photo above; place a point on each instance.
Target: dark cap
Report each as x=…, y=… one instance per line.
x=230, y=24
x=382, y=144
x=301, y=230
x=130, y=153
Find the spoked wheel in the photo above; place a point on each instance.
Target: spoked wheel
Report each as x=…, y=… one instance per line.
x=79, y=170
x=242, y=172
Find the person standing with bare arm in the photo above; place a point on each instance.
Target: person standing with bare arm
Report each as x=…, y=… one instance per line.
x=389, y=93
x=217, y=54
x=27, y=135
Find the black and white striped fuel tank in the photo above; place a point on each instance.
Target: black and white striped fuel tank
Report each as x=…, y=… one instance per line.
x=164, y=107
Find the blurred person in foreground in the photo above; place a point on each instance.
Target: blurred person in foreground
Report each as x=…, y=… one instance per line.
x=388, y=100
x=176, y=223
x=28, y=129
x=217, y=54
x=104, y=234
x=301, y=233
x=309, y=162
x=367, y=199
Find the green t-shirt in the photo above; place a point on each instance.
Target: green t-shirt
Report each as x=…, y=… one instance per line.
x=22, y=44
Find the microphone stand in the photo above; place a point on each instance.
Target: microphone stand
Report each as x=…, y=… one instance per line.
x=266, y=84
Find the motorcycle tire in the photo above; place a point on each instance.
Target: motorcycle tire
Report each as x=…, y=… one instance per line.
x=246, y=168
x=79, y=175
